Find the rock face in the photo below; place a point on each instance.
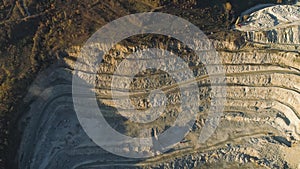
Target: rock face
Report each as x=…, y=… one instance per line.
x=281, y=38
x=271, y=27
x=260, y=124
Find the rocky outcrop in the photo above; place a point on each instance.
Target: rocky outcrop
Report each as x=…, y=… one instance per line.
x=273, y=27
x=282, y=38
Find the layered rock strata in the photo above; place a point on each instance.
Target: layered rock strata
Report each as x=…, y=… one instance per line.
x=260, y=125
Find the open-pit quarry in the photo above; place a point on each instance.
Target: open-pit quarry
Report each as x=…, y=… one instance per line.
x=259, y=127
